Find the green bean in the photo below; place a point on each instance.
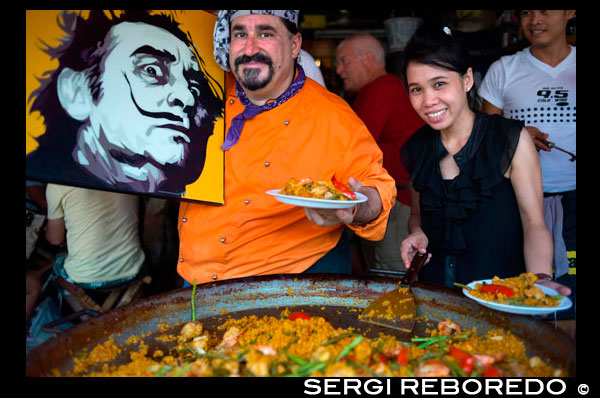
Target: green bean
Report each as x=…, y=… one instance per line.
x=337, y=338
x=454, y=366
x=296, y=359
x=163, y=371
x=348, y=348
x=462, y=286
x=432, y=340
x=194, y=302
x=191, y=350
x=288, y=345
x=308, y=368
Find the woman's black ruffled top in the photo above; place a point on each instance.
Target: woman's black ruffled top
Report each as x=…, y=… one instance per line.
x=472, y=221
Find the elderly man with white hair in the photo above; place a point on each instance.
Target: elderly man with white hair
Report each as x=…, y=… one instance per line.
x=381, y=101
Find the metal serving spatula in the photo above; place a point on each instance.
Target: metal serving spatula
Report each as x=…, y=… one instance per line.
x=396, y=309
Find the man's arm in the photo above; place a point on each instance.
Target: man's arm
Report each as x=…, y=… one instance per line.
x=535, y=134
x=490, y=109
x=55, y=231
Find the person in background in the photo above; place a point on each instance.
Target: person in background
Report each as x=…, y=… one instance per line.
x=476, y=178
x=381, y=101
x=310, y=67
x=280, y=125
x=538, y=87
x=101, y=230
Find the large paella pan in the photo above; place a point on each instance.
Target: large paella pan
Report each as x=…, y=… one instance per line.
x=337, y=299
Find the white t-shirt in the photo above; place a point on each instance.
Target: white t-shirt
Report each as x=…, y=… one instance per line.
x=102, y=232
x=530, y=90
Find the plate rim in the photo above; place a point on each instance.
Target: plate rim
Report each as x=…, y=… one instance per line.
x=361, y=198
x=565, y=303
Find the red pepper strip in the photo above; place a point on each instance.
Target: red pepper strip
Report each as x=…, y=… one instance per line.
x=497, y=289
x=401, y=359
x=458, y=354
x=435, y=362
x=343, y=188
x=465, y=360
x=492, y=372
x=467, y=365
x=298, y=315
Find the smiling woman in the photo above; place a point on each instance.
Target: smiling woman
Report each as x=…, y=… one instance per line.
x=130, y=106
x=476, y=187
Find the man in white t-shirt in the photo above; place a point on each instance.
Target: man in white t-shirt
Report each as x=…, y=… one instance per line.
x=538, y=86
x=101, y=231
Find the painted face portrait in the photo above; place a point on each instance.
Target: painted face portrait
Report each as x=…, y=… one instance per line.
x=144, y=105
x=150, y=95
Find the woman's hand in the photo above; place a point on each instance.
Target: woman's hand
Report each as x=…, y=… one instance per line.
x=414, y=243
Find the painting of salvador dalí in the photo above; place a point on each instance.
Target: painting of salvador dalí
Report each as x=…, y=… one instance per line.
x=126, y=101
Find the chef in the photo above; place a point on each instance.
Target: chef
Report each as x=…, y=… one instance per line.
x=280, y=124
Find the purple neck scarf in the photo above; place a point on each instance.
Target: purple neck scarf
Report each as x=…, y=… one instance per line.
x=235, y=130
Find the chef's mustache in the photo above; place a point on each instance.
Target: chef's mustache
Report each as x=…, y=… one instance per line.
x=243, y=59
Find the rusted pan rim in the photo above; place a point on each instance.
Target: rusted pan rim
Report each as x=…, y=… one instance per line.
x=280, y=291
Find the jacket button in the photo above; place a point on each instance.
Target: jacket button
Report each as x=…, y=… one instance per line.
x=267, y=164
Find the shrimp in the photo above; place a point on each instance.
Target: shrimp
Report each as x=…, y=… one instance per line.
x=319, y=190
x=433, y=368
x=265, y=349
x=190, y=330
x=230, y=337
x=487, y=360
x=447, y=327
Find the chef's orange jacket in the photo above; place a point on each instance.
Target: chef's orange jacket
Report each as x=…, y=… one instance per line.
x=314, y=134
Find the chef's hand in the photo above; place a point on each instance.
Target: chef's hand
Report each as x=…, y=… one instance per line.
x=327, y=217
x=560, y=289
x=414, y=243
x=356, y=215
x=536, y=135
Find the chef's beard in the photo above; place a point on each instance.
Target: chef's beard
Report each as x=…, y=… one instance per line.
x=249, y=78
